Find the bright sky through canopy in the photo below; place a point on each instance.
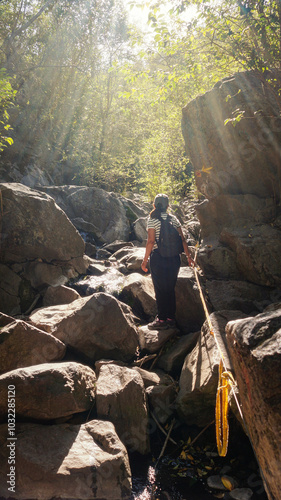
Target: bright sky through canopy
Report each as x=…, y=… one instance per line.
x=138, y=15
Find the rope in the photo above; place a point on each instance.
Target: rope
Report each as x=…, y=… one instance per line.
x=223, y=395
x=226, y=385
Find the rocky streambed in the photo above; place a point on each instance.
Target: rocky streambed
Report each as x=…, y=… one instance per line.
x=86, y=384
x=92, y=385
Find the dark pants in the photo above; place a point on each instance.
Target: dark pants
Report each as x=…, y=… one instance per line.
x=164, y=273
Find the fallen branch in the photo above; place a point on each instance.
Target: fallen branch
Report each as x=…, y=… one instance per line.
x=201, y=432
x=166, y=441
x=143, y=360
x=162, y=428
x=32, y=305
x=157, y=357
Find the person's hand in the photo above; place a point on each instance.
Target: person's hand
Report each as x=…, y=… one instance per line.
x=143, y=266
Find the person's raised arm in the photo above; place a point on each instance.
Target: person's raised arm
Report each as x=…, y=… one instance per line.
x=148, y=249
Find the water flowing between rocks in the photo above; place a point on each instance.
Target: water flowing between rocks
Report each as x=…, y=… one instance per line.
x=151, y=485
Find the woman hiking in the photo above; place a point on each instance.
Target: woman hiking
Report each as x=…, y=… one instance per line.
x=164, y=269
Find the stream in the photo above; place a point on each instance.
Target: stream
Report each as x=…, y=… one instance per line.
x=147, y=485
x=183, y=473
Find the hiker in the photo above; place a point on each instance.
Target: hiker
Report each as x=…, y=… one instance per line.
x=164, y=269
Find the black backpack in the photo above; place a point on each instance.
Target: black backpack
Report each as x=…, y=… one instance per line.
x=169, y=242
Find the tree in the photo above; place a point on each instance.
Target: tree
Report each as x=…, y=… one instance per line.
x=224, y=37
x=60, y=52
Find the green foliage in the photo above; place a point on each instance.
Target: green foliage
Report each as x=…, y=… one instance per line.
x=7, y=95
x=99, y=103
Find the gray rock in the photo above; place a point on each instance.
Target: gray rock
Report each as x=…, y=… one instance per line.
x=257, y=249
x=35, y=227
x=255, y=348
x=90, y=250
x=56, y=295
x=161, y=399
x=98, y=326
x=199, y=377
x=41, y=274
x=120, y=398
x=23, y=345
x=104, y=211
x=190, y=314
x=242, y=159
x=140, y=229
x=66, y=461
x=215, y=483
x=237, y=295
x=172, y=360
x=138, y=291
x=102, y=254
x=125, y=251
x=232, y=211
x=218, y=261
x=34, y=177
x=152, y=378
x=133, y=259
x=96, y=269
x=152, y=340
x=241, y=494
x=117, y=245
x=9, y=291
x=49, y=391
x=239, y=220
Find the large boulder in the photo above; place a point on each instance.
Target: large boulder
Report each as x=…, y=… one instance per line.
x=120, y=398
x=34, y=227
x=98, y=326
x=257, y=250
x=240, y=159
x=49, y=391
x=24, y=345
x=238, y=295
x=255, y=348
x=190, y=314
x=199, y=377
x=86, y=462
x=233, y=210
x=93, y=211
x=237, y=169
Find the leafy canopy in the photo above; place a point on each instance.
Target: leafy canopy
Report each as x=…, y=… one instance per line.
x=98, y=101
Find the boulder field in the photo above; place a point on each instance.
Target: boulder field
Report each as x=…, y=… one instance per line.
x=82, y=378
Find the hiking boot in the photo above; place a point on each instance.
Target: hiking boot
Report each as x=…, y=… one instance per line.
x=158, y=324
